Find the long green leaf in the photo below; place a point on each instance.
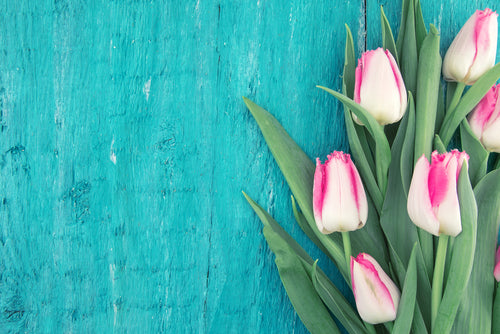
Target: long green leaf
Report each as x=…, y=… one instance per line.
x=429, y=72
x=406, y=307
x=423, y=287
x=420, y=30
x=307, y=229
x=468, y=102
x=395, y=222
x=475, y=310
x=383, y=151
x=462, y=258
x=296, y=280
x=349, y=76
x=336, y=302
x=409, y=55
x=387, y=37
x=362, y=163
x=478, y=162
x=406, y=161
x=298, y=170
x=401, y=34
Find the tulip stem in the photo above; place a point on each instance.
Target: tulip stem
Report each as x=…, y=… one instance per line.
x=437, y=280
x=347, y=251
x=456, y=97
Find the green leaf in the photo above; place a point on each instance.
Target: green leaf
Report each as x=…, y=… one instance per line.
x=440, y=107
x=420, y=30
x=438, y=145
x=406, y=161
x=406, y=307
x=462, y=258
x=429, y=73
x=349, y=76
x=307, y=229
x=478, y=162
x=475, y=310
x=401, y=34
x=423, y=288
x=387, y=37
x=383, y=151
x=336, y=302
x=362, y=163
x=409, y=55
x=298, y=170
x=296, y=280
x=470, y=99
x=397, y=226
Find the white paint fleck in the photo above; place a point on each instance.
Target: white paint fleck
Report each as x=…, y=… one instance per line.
x=147, y=88
x=112, y=155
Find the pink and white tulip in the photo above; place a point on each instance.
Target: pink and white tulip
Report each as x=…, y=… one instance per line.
x=474, y=49
x=496, y=272
x=484, y=120
x=339, y=199
x=379, y=86
x=377, y=297
x=433, y=199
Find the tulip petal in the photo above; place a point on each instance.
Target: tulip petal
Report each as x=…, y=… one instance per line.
x=473, y=51
x=359, y=193
x=448, y=211
x=403, y=97
x=318, y=193
x=485, y=35
x=378, y=87
x=461, y=52
x=419, y=202
x=374, y=300
x=341, y=213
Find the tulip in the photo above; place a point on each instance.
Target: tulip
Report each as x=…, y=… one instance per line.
x=376, y=295
x=379, y=87
x=497, y=265
x=339, y=200
x=432, y=199
x=484, y=120
x=474, y=49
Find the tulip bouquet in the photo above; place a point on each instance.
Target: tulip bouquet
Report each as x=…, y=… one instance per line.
x=411, y=221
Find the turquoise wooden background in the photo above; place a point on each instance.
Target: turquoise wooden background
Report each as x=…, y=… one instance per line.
x=124, y=147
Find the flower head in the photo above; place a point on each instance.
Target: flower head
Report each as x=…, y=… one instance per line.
x=484, y=120
x=379, y=86
x=433, y=199
x=339, y=200
x=474, y=49
x=377, y=297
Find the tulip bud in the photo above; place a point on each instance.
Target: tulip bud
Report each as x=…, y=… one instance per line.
x=339, y=200
x=474, y=49
x=379, y=87
x=496, y=272
x=433, y=199
x=484, y=120
x=377, y=297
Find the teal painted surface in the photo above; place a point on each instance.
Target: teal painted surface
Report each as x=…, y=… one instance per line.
x=125, y=144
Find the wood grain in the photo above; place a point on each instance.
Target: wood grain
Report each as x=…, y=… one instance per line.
x=125, y=145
